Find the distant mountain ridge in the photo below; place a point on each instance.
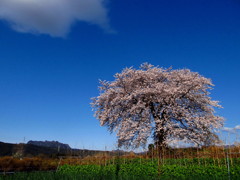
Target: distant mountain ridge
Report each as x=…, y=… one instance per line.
x=50, y=149
x=50, y=144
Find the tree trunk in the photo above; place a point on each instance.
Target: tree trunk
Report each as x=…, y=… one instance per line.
x=159, y=140
x=159, y=135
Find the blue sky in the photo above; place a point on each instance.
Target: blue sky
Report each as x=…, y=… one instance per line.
x=50, y=63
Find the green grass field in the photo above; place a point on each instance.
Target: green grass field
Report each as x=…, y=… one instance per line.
x=140, y=169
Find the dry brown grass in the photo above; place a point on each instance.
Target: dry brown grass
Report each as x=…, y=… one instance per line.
x=8, y=164
x=45, y=164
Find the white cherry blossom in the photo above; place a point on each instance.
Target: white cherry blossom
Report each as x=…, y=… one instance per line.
x=169, y=105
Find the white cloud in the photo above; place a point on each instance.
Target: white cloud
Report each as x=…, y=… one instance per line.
x=237, y=127
x=227, y=129
x=231, y=130
x=53, y=17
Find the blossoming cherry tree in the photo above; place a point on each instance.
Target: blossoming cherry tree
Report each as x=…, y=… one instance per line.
x=169, y=105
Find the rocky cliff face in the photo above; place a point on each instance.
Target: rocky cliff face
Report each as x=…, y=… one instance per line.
x=50, y=144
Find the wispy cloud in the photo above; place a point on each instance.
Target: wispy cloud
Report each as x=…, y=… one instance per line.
x=231, y=130
x=53, y=17
x=237, y=127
